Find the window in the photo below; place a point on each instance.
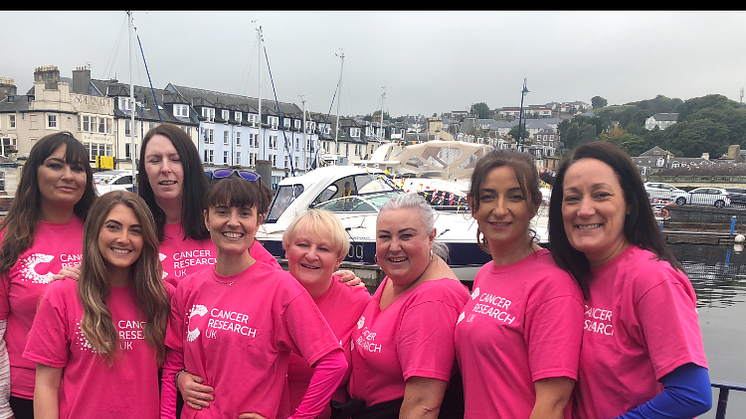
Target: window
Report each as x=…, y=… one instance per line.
x=355, y=132
x=253, y=118
x=226, y=114
x=296, y=123
x=52, y=121
x=125, y=105
x=238, y=116
x=225, y=157
x=2, y=181
x=127, y=150
x=274, y=161
x=252, y=159
x=209, y=156
x=238, y=138
x=237, y=157
x=273, y=121
x=11, y=121
x=97, y=149
x=181, y=111
x=286, y=122
x=225, y=138
x=208, y=114
x=209, y=136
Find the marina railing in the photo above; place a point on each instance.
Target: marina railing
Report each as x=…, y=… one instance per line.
x=723, y=394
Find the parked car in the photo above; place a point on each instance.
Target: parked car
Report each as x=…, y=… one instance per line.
x=113, y=180
x=657, y=190
x=717, y=197
x=737, y=195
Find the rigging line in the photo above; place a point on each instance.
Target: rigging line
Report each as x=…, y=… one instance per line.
x=160, y=118
x=110, y=63
x=279, y=113
x=244, y=75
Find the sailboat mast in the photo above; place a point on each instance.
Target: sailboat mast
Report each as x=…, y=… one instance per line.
x=383, y=98
x=259, y=93
x=336, y=129
x=132, y=99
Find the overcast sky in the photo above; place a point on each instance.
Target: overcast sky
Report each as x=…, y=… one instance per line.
x=428, y=61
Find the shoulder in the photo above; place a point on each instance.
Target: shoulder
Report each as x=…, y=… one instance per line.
x=61, y=290
x=643, y=269
x=351, y=295
x=445, y=290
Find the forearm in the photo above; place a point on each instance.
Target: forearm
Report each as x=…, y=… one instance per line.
x=174, y=363
x=422, y=398
x=46, y=392
x=327, y=375
x=687, y=394
x=5, y=410
x=552, y=395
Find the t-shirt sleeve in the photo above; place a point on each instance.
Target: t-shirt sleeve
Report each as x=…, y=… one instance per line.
x=425, y=340
x=669, y=324
x=553, y=335
x=306, y=331
x=47, y=342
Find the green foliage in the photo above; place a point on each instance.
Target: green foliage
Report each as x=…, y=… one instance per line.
x=598, y=102
x=481, y=110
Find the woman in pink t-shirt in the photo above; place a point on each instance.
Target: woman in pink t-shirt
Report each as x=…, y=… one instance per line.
x=402, y=346
x=235, y=324
x=42, y=233
x=98, y=342
x=518, y=338
x=642, y=353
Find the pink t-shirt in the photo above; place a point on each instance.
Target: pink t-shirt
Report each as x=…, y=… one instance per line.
x=239, y=337
x=341, y=306
x=641, y=323
x=523, y=323
x=182, y=257
x=56, y=245
x=412, y=337
x=90, y=388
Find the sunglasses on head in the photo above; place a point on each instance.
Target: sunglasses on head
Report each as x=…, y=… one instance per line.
x=224, y=173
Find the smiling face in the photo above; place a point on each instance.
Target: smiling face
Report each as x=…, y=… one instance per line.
x=594, y=210
x=232, y=229
x=504, y=212
x=164, y=169
x=312, y=259
x=60, y=183
x=120, y=239
x=403, y=244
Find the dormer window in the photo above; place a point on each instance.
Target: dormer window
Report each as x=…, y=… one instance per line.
x=208, y=114
x=238, y=116
x=181, y=111
x=226, y=114
x=355, y=132
x=125, y=104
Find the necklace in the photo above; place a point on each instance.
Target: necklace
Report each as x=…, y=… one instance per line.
x=215, y=277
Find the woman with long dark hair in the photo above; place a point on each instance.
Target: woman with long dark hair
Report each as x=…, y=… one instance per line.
x=42, y=233
x=642, y=354
x=98, y=341
x=519, y=336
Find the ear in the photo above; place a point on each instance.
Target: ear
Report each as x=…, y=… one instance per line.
x=432, y=235
x=470, y=201
x=207, y=219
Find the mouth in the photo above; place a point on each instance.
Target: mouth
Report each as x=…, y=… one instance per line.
x=303, y=265
x=588, y=226
x=167, y=183
x=120, y=251
x=397, y=259
x=232, y=235
x=499, y=224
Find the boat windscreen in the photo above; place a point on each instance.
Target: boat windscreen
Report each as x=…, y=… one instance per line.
x=283, y=198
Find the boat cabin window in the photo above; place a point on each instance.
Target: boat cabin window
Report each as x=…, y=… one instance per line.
x=359, y=185
x=283, y=198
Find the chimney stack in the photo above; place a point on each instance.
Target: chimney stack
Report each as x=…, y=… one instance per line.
x=7, y=88
x=82, y=81
x=49, y=74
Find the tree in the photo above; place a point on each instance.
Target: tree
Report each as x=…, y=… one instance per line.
x=598, y=102
x=481, y=110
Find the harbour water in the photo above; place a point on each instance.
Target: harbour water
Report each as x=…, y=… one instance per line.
x=718, y=274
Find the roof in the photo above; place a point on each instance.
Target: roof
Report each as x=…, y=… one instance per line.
x=231, y=101
x=655, y=151
x=666, y=117
x=113, y=88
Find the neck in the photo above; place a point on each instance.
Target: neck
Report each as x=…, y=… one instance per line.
x=400, y=289
x=56, y=214
x=318, y=290
x=231, y=264
x=596, y=261
x=507, y=253
x=119, y=277
x=172, y=209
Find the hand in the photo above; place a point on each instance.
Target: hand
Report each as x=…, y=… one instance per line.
x=194, y=393
x=348, y=278
x=251, y=415
x=69, y=272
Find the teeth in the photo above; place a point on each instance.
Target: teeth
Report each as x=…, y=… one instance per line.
x=123, y=251
x=233, y=235
x=589, y=226
x=309, y=266
x=397, y=259
x=168, y=182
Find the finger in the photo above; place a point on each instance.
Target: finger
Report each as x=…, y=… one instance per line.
x=193, y=405
x=251, y=415
x=198, y=395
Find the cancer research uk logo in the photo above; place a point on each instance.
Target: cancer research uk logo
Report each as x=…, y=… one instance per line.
x=218, y=320
x=29, y=264
x=366, y=340
x=490, y=305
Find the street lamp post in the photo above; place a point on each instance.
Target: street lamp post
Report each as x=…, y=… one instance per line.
x=524, y=92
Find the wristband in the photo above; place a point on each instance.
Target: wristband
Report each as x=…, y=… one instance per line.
x=176, y=378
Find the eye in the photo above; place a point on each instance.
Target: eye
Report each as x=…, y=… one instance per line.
x=571, y=198
x=54, y=165
x=136, y=230
x=78, y=169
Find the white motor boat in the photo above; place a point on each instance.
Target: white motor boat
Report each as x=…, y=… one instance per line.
x=324, y=188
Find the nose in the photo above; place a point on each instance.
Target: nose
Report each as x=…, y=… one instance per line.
x=500, y=209
x=586, y=208
x=123, y=237
x=67, y=172
x=394, y=245
x=166, y=166
x=312, y=253
x=233, y=219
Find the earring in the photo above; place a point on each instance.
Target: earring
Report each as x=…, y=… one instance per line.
x=375, y=258
x=431, y=253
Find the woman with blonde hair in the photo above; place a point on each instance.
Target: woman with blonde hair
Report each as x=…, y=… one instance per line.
x=42, y=233
x=98, y=342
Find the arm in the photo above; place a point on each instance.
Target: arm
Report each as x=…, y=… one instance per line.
x=46, y=392
x=174, y=363
x=422, y=398
x=68, y=272
x=327, y=375
x=686, y=394
x=552, y=395
x=5, y=410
